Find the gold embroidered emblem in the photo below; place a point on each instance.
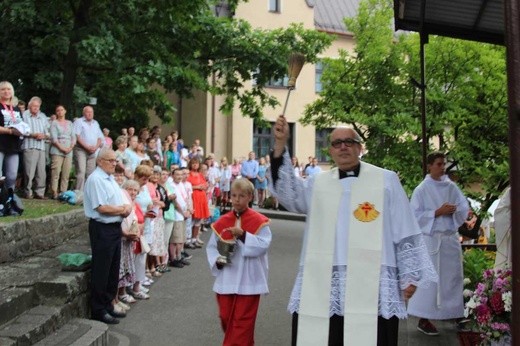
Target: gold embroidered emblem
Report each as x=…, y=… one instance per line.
x=366, y=212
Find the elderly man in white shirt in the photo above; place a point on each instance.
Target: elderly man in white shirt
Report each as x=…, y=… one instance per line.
x=89, y=139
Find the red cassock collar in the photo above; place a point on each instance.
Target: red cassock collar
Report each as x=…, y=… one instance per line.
x=250, y=221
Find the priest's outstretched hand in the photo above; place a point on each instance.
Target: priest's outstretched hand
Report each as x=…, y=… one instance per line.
x=281, y=135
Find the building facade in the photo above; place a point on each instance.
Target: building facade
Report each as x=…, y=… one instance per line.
x=235, y=135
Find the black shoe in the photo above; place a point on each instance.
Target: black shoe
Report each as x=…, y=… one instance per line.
x=117, y=314
x=184, y=261
x=176, y=264
x=186, y=255
x=106, y=318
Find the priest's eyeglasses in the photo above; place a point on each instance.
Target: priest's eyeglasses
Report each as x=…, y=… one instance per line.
x=349, y=142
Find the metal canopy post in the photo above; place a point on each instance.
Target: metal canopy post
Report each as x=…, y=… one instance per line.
x=512, y=29
x=424, y=40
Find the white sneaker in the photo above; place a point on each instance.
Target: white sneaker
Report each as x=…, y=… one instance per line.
x=144, y=289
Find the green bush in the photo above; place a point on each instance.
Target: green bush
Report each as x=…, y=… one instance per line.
x=475, y=261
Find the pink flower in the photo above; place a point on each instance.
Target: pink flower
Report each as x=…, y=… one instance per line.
x=488, y=273
x=501, y=327
x=483, y=314
x=490, y=305
x=499, y=284
x=496, y=303
x=480, y=289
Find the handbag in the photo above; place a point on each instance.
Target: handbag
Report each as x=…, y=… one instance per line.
x=134, y=228
x=169, y=215
x=144, y=245
x=137, y=247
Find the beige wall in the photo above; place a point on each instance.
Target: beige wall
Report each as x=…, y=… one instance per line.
x=292, y=11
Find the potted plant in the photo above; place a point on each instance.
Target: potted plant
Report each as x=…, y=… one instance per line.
x=489, y=307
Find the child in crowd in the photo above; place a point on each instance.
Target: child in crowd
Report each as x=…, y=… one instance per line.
x=239, y=285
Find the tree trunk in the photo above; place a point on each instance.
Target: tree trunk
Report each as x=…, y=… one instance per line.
x=71, y=63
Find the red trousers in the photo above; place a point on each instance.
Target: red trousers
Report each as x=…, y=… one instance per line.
x=238, y=316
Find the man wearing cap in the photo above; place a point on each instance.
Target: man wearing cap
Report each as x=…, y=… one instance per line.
x=363, y=254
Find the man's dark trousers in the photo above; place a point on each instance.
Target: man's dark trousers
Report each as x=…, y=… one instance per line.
x=387, y=330
x=105, y=242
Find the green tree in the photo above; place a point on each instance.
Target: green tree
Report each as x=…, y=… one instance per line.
x=371, y=90
x=128, y=54
x=467, y=111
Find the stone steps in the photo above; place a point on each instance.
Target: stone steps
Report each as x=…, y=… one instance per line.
x=32, y=325
x=14, y=301
x=78, y=332
x=37, y=298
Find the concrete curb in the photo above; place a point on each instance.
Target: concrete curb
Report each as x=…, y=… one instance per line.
x=282, y=215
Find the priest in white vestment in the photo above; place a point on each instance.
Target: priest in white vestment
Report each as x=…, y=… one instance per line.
x=363, y=254
x=440, y=208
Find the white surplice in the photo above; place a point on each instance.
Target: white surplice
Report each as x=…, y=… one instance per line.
x=503, y=230
x=443, y=244
x=404, y=260
x=248, y=274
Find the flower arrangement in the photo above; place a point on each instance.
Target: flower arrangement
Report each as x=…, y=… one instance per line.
x=489, y=305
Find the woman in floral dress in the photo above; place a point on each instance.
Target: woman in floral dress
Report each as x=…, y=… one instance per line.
x=157, y=245
x=127, y=275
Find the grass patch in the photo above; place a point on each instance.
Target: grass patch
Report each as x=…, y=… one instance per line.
x=35, y=208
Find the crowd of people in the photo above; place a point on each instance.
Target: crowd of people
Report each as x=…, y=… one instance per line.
x=147, y=198
x=38, y=153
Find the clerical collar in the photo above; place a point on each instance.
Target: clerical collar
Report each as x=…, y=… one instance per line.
x=239, y=213
x=351, y=173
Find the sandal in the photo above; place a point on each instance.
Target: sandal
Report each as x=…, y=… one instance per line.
x=127, y=299
x=163, y=269
x=147, y=282
x=155, y=273
x=140, y=295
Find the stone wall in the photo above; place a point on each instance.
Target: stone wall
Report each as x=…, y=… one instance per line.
x=29, y=237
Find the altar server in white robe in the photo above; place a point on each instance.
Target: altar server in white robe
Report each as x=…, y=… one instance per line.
x=363, y=254
x=440, y=208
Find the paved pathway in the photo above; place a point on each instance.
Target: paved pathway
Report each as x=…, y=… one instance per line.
x=182, y=309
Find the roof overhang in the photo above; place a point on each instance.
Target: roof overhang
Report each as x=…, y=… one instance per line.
x=475, y=20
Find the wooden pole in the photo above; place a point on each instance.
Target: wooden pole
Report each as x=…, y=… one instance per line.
x=512, y=34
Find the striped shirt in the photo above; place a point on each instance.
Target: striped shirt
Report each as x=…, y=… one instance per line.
x=38, y=123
